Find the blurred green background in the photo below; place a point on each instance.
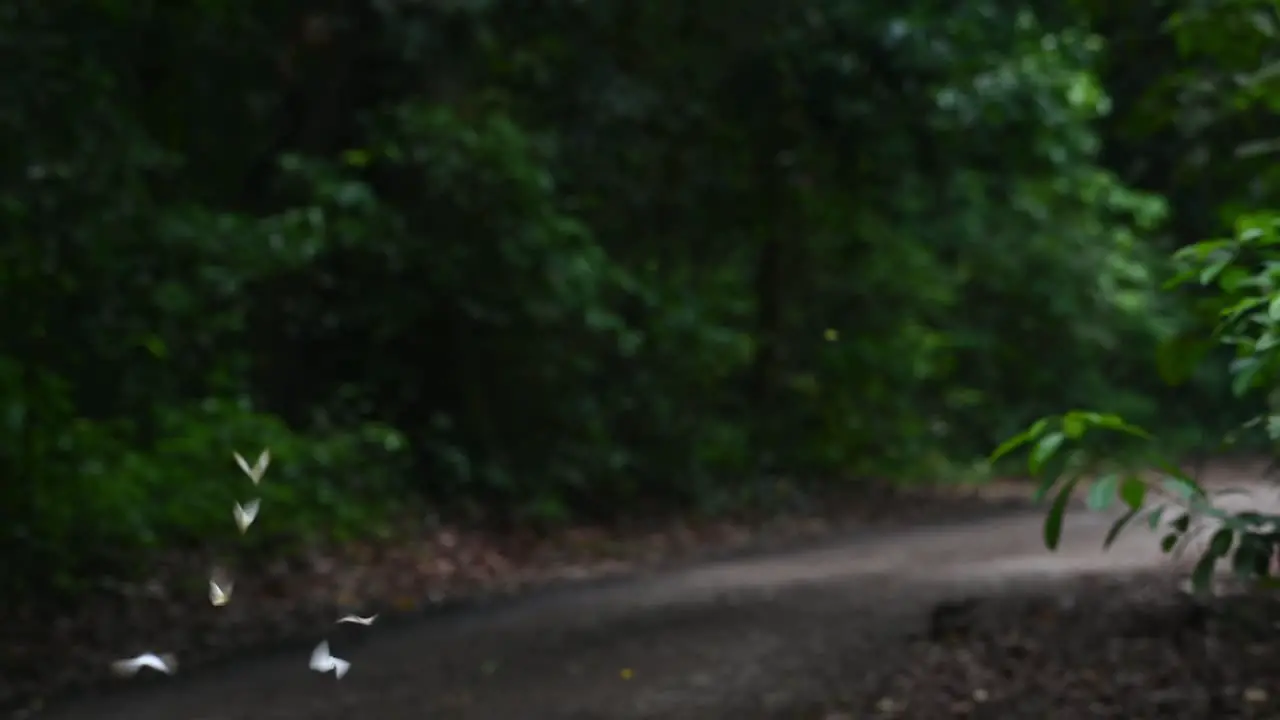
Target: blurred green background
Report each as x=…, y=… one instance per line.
x=541, y=263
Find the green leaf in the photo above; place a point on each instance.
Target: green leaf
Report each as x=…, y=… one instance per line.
x=1154, y=517
x=1244, y=371
x=1180, y=278
x=1044, y=487
x=1117, y=527
x=1203, y=250
x=1182, y=523
x=1073, y=425
x=1244, y=561
x=1230, y=314
x=1273, y=427
x=1133, y=491
x=1110, y=421
x=1219, y=546
x=1220, y=543
x=1168, y=542
x=1103, y=492
x=1045, y=449
x=1233, y=278
x=1211, y=271
x=1181, y=487
x=1030, y=434
x=1202, y=573
x=1053, y=521
x=1251, y=522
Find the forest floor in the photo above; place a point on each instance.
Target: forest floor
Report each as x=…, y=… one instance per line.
x=925, y=606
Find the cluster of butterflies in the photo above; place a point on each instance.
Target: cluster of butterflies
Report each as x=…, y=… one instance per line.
x=221, y=585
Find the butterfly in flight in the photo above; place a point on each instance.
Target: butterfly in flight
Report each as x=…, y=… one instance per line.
x=246, y=514
x=128, y=667
x=258, y=469
x=219, y=592
x=323, y=662
x=357, y=620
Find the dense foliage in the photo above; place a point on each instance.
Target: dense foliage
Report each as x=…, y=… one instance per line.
x=1221, y=100
x=534, y=264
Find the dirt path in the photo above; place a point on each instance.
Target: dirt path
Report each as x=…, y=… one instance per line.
x=735, y=639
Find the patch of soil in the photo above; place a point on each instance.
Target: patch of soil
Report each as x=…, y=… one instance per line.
x=1106, y=648
x=278, y=600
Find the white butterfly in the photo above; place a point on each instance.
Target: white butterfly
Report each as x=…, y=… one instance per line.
x=322, y=661
x=246, y=514
x=128, y=667
x=357, y=620
x=259, y=468
x=220, y=593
